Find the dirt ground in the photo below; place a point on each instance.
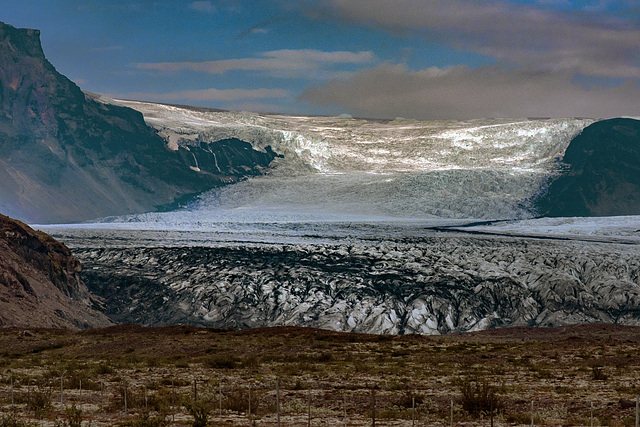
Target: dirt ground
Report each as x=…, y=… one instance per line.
x=575, y=375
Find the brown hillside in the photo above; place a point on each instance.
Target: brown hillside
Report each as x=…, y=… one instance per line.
x=40, y=283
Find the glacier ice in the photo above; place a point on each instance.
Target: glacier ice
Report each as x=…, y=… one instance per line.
x=336, y=166
x=368, y=226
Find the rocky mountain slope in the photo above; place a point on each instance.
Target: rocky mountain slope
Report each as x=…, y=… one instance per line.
x=65, y=156
x=602, y=176
x=40, y=284
x=422, y=285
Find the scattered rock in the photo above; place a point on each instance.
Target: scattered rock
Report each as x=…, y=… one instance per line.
x=626, y=403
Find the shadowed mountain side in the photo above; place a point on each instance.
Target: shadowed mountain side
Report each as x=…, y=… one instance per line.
x=603, y=173
x=40, y=283
x=64, y=156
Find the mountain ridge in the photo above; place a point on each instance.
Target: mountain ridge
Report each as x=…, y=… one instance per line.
x=65, y=157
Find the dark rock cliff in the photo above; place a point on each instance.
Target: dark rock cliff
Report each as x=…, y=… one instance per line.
x=603, y=173
x=66, y=157
x=40, y=283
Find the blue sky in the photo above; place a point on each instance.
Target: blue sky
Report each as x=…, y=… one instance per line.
x=426, y=59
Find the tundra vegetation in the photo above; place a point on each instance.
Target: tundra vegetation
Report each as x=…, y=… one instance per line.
x=188, y=376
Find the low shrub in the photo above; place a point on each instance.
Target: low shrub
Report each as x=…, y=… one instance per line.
x=222, y=362
x=39, y=402
x=73, y=418
x=144, y=419
x=200, y=412
x=11, y=420
x=237, y=400
x=478, y=397
x=523, y=418
x=597, y=373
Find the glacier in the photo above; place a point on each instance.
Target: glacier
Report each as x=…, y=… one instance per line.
x=335, y=167
x=380, y=226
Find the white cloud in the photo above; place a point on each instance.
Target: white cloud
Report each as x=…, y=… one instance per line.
x=107, y=48
x=261, y=28
x=281, y=62
x=81, y=82
x=202, y=6
x=309, y=56
x=391, y=90
x=259, y=31
x=209, y=95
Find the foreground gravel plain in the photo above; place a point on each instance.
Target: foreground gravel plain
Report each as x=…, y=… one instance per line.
x=566, y=376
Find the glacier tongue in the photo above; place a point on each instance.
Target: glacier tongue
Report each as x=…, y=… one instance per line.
x=400, y=168
x=428, y=285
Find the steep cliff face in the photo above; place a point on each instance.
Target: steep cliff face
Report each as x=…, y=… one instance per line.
x=40, y=283
x=65, y=156
x=603, y=173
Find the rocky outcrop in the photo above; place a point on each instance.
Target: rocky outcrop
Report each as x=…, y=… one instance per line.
x=66, y=156
x=40, y=284
x=602, y=176
x=426, y=286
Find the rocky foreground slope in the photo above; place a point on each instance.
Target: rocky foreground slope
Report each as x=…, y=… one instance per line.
x=427, y=285
x=66, y=156
x=40, y=284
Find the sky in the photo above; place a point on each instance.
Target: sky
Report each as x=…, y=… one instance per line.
x=417, y=59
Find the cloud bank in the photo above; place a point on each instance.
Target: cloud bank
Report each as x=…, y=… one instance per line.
x=540, y=56
x=392, y=90
x=584, y=43
x=547, y=58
